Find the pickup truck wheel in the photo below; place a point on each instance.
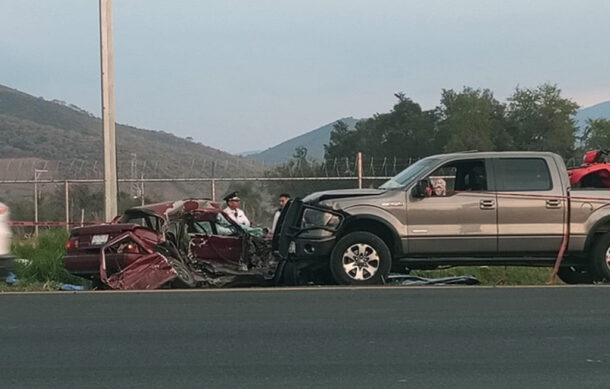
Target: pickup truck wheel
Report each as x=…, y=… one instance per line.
x=575, y=275
x=360, y=258
x=601, y=257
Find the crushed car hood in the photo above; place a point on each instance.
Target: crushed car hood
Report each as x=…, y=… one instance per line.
x=342, y=193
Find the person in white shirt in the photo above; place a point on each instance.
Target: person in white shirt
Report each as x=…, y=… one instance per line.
x=232, y=209
x=284, y=198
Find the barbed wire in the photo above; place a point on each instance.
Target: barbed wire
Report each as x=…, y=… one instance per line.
x=75, y=169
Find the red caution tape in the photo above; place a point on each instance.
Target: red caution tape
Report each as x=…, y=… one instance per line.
x=49, y=224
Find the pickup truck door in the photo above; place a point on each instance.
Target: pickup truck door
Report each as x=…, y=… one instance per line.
x=531, y=205
x=461, y=221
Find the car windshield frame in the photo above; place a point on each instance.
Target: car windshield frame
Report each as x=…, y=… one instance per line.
x=406, y=176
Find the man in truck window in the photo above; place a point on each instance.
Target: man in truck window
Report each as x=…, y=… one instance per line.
x=439, y=187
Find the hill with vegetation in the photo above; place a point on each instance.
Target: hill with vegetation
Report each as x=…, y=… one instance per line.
x=54, y=131
x=597, y=111
x=313, y=141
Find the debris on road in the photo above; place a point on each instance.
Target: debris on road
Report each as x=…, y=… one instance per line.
x=409, y=280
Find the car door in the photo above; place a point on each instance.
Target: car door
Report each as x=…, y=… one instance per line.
x=531, y=210
x=461, y=221
x=218, y=242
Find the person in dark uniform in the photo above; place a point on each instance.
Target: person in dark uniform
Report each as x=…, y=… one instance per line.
x=284, y=198
x=233, y=210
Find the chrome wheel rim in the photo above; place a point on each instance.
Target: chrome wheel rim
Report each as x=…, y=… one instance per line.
x=361, y=262
x=608, y=257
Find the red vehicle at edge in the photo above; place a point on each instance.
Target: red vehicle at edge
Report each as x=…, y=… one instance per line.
x=593, y=173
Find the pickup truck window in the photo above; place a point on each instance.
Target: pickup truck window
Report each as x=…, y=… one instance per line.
x=406, y=176
x=523, y=174
x=463, y=175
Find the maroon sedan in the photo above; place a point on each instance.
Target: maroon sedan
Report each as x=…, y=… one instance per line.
x=190, y=243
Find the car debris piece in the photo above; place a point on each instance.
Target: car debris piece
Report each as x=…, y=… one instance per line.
x=410, y=280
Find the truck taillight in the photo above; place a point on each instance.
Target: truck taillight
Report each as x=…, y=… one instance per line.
x=3, y=209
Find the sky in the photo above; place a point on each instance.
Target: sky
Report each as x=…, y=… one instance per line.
x=247, y=75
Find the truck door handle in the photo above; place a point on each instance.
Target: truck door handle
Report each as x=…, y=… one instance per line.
x=487, y=204
x=553, y=203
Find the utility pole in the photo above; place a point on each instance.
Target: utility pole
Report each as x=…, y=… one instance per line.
x=108, y=116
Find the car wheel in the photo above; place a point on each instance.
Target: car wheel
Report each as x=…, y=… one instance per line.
x=360, y=258
x=600, y=257
x=184, y=279
x=576, y=275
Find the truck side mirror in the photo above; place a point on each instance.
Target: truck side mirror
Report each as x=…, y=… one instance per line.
x=420, y=189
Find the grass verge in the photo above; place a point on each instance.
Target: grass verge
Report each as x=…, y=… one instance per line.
x=43, y=269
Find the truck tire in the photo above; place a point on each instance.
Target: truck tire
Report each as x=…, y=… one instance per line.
x=360, y=258
x=600, y=257
x=576, y=275
x=184, y=279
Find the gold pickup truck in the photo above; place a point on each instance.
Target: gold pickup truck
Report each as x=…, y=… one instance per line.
x=480, y=208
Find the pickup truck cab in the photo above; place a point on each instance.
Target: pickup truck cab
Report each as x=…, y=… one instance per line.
x=480, y=208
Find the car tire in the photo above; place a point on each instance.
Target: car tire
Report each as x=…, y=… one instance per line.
x=184, y=279
x=360, y=258
x=576, y=275
x=600, y=257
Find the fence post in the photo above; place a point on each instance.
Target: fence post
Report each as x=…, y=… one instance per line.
x=67, y=186
x=359, y=169
x=37, y=173
x=142, y=189
x=213, y=182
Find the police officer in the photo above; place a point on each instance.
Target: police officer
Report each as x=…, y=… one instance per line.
x=232, y=209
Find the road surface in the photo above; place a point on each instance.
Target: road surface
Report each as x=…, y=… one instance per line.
x=390, y=337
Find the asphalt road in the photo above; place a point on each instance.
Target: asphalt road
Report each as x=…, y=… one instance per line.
x=470, y=337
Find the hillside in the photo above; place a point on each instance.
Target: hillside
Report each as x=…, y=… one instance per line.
x=69, y=138
x=313, y=140
x=597, y=111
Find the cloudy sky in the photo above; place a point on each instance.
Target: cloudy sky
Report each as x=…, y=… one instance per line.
x=243, y=75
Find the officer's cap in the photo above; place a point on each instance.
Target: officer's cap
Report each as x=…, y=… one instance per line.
x=231, y=196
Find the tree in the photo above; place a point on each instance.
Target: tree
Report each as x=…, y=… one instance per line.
x=343, y=141
x=540, y=119
x=597, y=134
x=405, y=132
x=472, y=120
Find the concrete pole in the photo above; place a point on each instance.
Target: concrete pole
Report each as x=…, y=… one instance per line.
x=108, y=114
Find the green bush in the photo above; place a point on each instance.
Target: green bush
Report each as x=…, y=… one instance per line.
x=44, y=257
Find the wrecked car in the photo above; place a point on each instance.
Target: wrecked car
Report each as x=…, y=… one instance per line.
x=190, y=243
